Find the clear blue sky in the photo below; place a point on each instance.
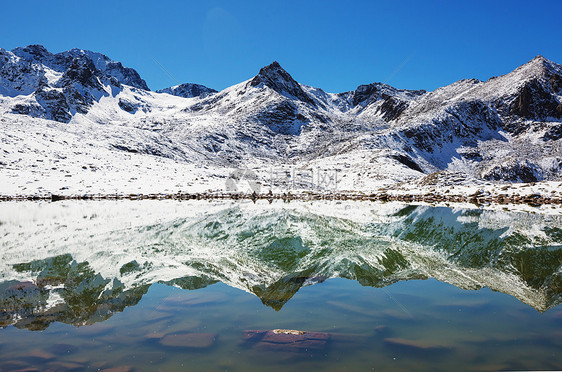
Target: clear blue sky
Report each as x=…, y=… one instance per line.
x=334, y=45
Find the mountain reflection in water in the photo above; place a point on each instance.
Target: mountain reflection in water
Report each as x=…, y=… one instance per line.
x=81, y=262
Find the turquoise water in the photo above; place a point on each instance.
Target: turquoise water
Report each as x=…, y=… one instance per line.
x=377, y=287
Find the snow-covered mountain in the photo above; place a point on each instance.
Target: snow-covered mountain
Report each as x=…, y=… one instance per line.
x=508, y=128
x=188, y=90
x=57, y=86
x=80, y=262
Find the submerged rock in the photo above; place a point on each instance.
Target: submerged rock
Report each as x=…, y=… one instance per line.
x=416, y=345
x=191, y=340
x=287, y=340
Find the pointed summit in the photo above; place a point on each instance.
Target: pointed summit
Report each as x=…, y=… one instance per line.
x=540, y=66
x=542, y=60
x=276, y=78
x=274, y=71
x=539, y=58
x=539, y=83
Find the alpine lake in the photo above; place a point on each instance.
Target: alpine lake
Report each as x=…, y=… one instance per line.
x=302, y=286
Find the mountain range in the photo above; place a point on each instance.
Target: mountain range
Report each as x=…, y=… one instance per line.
x=505, y=129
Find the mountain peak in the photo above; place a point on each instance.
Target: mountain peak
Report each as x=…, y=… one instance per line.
x=272, y=65
x=272, y=74
x=107, y=66
x=188, y=90
x=541, y=65
x=32, y=52
x=539, y=58
x=276, y=78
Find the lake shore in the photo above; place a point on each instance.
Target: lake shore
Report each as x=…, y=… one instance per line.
x=478, y=197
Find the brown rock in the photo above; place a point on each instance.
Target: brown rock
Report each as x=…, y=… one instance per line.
x=192, y=340
x=287, y=340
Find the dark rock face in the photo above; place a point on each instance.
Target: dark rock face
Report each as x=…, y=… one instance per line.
x=188, y=90
x=283, y=118
x=127, y=106
x=365, y=93
x=392, y=107
x=83, y=71
x=473, y=118
x=55, y=104
x=536, y=102
x=21, y=109
x=518, y=172
x=276, y=78
x=133, y=106
x=80, y=102
x=107, y=67
x=125, y=75
x=554, y=133
x=407, y=161
x=393, y=103
x=466, y=122
x=22, y=76
x=556, y=83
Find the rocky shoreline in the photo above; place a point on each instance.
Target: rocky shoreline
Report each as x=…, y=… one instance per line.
x=478, y=198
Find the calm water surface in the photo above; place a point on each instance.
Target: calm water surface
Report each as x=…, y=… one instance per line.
x=174, y=286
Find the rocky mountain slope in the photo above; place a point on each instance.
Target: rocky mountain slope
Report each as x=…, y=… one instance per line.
x=188, y=90
x=91, y=260
x=505, y=129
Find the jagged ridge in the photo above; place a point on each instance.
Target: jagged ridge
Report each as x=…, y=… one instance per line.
x=390, y=134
